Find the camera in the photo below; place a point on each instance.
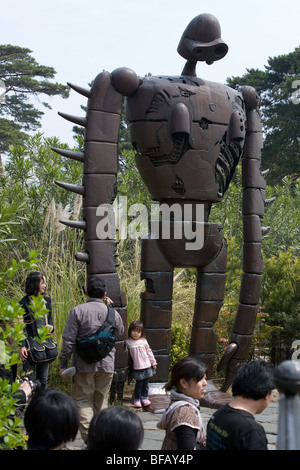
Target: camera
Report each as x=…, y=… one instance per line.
x=34, y=384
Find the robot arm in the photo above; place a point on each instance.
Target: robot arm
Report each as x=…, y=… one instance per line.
x=100, y=166
x=253, y=211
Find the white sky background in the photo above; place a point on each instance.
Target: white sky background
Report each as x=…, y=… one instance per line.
x=80, y=39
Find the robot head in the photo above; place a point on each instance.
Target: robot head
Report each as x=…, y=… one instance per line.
x=201, y=40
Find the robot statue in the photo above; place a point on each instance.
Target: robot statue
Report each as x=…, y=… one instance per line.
x=189, y=135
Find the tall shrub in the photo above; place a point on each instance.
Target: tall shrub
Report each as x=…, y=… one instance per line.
x=281, y=299
x=11, y=334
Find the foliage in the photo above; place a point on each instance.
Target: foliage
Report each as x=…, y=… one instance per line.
x=10, y=215
x=262, y=336
x=234, y=274
x=11, y=334
x=11, y=436
x=180, y=341
x=184, y=289
x=30, y=197
x=129, y=274
x=10, y=134
x=228, y=212
x=283, y=218
x=281, y=299
x=28, y=183
x=280, y=112
x=65, y=279
x=223, y=329
x=23, y=77
x=130, y=182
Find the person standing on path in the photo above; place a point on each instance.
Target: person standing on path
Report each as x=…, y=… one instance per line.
x=233, y=426
x=35, y=284
x=144, y=362
x=182, y=420
x=91, y=382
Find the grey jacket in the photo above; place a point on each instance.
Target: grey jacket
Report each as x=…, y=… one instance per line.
x=84, y=320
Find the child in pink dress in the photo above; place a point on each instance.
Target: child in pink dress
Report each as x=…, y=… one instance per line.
x=144, y=363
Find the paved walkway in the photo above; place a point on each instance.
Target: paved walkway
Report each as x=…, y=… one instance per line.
x=154, y=437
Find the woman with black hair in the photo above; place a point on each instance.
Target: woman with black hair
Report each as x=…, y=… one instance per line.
x=182, y=420
x=115, y=429
x=35, y=285
x=51, y=420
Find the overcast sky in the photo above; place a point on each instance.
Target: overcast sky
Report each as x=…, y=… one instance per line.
x=80, y=39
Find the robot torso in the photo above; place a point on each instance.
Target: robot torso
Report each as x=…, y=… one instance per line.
x=188, y=135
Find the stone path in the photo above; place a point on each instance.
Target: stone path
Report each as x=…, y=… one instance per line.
x=154, y=437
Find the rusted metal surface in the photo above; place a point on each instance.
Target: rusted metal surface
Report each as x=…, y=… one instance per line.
x=189, y=135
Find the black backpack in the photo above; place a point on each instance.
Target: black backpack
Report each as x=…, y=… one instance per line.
x=94, y=348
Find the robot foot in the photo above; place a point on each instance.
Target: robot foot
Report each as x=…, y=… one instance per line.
x=214, y=398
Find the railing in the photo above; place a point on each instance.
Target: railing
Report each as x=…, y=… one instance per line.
x=287, y=379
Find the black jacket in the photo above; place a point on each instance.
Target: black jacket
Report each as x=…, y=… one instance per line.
x=31, y=323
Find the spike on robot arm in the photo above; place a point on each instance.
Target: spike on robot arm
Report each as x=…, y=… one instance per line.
x=100, y=166
x=100, y=157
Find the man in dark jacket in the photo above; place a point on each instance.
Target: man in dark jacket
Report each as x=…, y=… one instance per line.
x=92, y=381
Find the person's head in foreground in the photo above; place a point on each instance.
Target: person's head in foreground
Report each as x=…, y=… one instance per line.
x=51, y=420
x=115, y=429
x=188, y=376
x=254, y=382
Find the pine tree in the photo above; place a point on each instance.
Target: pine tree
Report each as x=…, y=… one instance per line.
x=278, y=86
x=21, y=77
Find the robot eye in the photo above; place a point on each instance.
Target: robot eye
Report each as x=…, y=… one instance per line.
x=220, y=51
